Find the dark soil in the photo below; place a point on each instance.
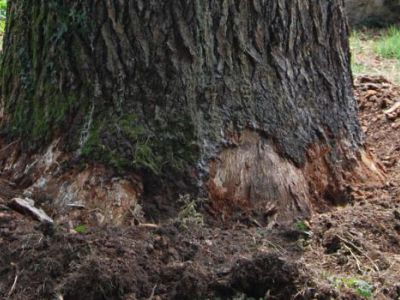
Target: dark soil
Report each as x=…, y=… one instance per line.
x=306, y=261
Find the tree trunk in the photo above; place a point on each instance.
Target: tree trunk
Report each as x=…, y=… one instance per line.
x=251, y=100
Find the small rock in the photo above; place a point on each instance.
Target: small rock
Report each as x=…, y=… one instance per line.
x=150, y=247
x=208, y=243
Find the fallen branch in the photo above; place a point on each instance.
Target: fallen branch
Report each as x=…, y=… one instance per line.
x=355, y=258
x=27, y=206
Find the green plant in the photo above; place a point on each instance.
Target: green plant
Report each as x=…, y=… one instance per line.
x=3, y=11
x=303, y=227
x=361, y=287
x=81, y=229
x=388, y=46
x=188, y=214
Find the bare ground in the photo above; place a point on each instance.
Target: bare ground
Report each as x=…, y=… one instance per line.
x=328, y=257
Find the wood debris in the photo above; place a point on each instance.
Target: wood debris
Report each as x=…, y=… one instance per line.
x=27, y=206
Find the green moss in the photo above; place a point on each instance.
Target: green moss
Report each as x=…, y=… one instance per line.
x=143, y=148
x=134, y=137
x=42, y=105
x=44, y=52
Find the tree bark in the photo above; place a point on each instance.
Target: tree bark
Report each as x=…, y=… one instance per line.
x=251, y=99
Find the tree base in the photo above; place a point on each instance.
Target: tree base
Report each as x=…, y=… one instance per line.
x=251, y=179
x=254, y=178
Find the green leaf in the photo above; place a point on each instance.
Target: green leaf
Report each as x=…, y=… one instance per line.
x=81, y=229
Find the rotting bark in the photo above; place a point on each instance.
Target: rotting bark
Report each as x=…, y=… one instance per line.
x=236, y=94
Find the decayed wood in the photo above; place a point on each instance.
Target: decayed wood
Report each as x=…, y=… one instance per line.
x=27, y=206
x=254, y=177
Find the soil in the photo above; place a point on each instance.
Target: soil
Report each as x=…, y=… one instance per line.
x=327, y=257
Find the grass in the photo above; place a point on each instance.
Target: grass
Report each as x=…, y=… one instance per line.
x=3, y=10
x=189, y=215
x=376, y=52
x=388, y=46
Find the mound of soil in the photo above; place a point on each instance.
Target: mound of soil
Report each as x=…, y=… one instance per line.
x=362, y=240
x=326, y=258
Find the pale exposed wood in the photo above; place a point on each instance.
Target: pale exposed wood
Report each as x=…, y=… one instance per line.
x=26, y=206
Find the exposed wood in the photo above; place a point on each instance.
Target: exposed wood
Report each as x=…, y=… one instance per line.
x=27, y=206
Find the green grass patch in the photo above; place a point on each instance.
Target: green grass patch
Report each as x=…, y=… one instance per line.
x=3, y=12
x=376, y=52
x=388, y=46
x=359, y=286
x=81, y=229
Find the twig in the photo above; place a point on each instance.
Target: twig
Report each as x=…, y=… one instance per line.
x=148, y=225
x=152, y=293
x=360, y=251
x=255, y=222
x=349, y=243
x=14, y=285
x=355, y=258
x=276, y=247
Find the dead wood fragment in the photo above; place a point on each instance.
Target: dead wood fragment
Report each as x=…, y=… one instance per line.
x=27, y=206
x=393, y=112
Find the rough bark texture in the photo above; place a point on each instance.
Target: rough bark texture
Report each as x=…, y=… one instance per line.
x=235, y=92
